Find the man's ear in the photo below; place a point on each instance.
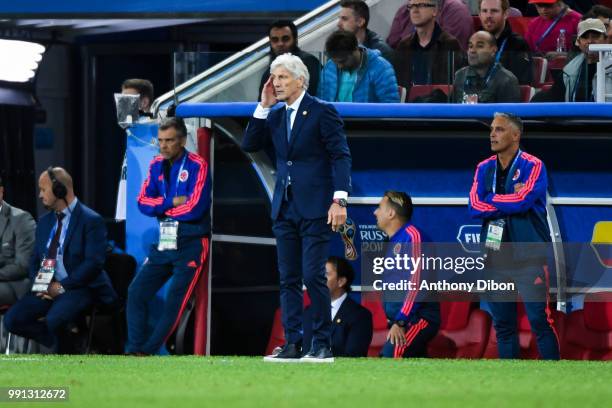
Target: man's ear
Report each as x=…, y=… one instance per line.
x=342, y=282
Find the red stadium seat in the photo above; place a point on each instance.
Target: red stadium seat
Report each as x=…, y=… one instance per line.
x=527, y=342
x=540, y=69
x=527, y=93
x=555, y=64
x=424, y=90
x=463, y=332
x=519, y=24
x=588, y=334
x=373, y=303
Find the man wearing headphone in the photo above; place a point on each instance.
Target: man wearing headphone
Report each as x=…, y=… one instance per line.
x=67, y=265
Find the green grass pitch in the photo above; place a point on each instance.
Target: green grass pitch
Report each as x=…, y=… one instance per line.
x=177, y=382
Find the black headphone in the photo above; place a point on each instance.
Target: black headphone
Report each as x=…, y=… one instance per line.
x=59, y=189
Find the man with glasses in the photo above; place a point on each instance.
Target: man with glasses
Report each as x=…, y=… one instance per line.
x=413, y=322
x=484, y=80
x=543, y=31
x=512, y=49
x=423, y=57
x=355, y=73
x=509, y=196
x=454, y=17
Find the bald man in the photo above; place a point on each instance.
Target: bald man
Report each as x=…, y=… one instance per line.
x=66, y=267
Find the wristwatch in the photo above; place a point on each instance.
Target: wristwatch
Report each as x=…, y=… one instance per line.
x=341, y=202
x=61, y=290
x=400, y=323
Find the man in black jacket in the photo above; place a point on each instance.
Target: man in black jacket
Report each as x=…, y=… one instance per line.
x=283, y=37
x=512, y=49
x=351, y=322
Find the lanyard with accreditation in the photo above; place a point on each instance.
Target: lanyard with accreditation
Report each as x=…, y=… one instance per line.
x=168, y=228
x=48, y=265
x=495, y=229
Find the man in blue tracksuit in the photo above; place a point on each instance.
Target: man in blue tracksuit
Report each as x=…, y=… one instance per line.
x=355, y=73
x=413, y=322
x=177, y=193
x=509, y=195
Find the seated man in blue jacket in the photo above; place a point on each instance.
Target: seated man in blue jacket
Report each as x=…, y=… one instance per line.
x=351, y=323
x=355, y=73
x=66, y=266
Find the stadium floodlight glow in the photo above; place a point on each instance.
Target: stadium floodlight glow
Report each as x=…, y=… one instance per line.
x=19, y=60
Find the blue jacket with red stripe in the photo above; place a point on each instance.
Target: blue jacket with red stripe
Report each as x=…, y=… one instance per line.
x=411, y=310
x=524, y=211
x=188, y=176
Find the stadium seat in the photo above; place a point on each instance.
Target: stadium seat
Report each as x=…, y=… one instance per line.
x=527, y=93
x=424, y=90
x=121, y=269
x=519, y=24
x=463, y=331
x=527, y=341
x=540, y=69
x=555, y=65
x=402, y=93
x=588, y=334
x=373, y=303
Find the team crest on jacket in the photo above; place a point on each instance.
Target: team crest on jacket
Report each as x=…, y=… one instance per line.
x=184, y=175
x=517, y=174
x=397, y=249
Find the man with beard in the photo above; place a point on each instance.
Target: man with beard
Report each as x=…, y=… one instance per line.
x=484, y=80
x=512, y=49
x=283, y=37
x=354, y=17
x=66, y=267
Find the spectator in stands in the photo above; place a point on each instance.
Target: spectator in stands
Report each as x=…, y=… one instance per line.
x=543, y=31
x=509, y=196
x=424, y=56
x=413, y=322
x=354, y=17
x=17, y=243
x=512, y=49
x=351, y=323
x=66, y=267
x=604, y=14
x=355, y=73
x=143, y=88
x=578, y=80
x=176, y=194
x=283, y=37
x=484, y=80
x=454, y=17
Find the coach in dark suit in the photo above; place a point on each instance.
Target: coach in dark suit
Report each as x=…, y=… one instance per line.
x=313, y=164
x=16, y=245
x=75, y=237
x=351, y=323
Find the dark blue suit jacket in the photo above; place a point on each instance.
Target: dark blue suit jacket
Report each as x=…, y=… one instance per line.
x=317, y=156
x=84, y=252
x=351, y=330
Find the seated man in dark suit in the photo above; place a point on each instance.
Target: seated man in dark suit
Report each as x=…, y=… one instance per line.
x=351, y=322
x=66, y=267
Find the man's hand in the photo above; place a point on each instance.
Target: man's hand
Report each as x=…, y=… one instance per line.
x=396, y=335
x=336, y=216
x=178, y=200
x=52, y=291
x=518, y=187
x=268, y=95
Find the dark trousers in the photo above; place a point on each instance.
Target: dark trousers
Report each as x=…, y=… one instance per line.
x=303, y=247
x=418, y=336
x=184, y=266
x=43, y=320
x=532, y=284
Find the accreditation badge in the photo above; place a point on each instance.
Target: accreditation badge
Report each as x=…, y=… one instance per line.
x=44, y=275
x=495, y=233
x=168, y=233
